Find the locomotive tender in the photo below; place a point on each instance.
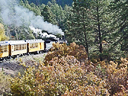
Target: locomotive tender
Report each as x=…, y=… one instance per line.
x=13, y=48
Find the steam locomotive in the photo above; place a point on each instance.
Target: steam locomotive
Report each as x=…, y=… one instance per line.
x=10, y=49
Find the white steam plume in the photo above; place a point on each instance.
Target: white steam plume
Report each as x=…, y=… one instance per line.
x=14, y=14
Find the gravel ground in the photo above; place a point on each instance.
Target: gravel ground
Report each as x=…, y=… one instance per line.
x=13, y=66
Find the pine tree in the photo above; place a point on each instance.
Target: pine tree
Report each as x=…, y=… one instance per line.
x=78, y=25
x=41, y=7
x=120, y=21
x=22, y=3
x=100, y=23
x=48, y=15
x=89, y=25
x=58, y=12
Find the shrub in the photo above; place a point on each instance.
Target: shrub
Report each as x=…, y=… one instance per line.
x=62, y=76
x=4, y=83
x=117, y=76
x=67, y=72
x=59, y=50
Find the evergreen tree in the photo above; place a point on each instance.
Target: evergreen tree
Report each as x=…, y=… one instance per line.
x=27, y=4
x=100, y=24
x=22, y=3
x=48, y=15
x=120, y=21
x=41, y=7
x=60, y=2
x=79, y=24
x=58, y=12
x=89, y=25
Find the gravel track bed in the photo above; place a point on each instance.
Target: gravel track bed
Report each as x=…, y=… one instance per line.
x=12, y=66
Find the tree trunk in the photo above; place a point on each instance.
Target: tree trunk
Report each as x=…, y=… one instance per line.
x=85, y=36
x=100, y=35
x=16, y=34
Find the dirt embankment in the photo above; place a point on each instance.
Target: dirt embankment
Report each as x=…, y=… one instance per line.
x=13, y=66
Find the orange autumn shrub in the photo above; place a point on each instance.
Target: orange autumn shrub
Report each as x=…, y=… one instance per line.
x=59, y=50
x=61, y=77
x=117, y=76
x=67, y=72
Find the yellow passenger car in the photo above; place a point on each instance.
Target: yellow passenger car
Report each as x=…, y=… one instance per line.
x=17, y=47
x=4, y=49
x=36, y=45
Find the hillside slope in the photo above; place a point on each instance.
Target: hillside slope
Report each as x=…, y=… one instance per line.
x=60, y=2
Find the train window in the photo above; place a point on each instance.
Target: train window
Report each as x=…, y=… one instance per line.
x=25, y=46
x=19, y=47
x=3, y=49
x=22, y=47
x=12, y=47
x=30, y=45
x=36, y=45
x=33, y=46
x=16, y=47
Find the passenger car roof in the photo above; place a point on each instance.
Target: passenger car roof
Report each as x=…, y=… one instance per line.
x=16, y=42
x=34, y=41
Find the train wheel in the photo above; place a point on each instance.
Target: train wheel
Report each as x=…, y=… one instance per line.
x=37, y=52
x=28, y=54
x=41, y=51
x=1, y=59
x=4, y=59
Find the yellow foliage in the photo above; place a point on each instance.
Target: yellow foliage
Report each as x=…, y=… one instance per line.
x=2, y=33
x=69, y=73
x=4, y=83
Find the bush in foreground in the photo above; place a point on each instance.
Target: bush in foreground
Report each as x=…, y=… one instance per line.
x=4, y=83
x=66, y=76
x=69, y=73
x=59, y=50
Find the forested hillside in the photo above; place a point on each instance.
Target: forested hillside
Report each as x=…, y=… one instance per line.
x=93, y=62
x=60, y=2
x=101, y=26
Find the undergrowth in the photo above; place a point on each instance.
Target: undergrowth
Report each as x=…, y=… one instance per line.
x=66, y=71
x=4, y=84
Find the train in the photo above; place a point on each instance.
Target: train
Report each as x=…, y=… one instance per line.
x=10, y=49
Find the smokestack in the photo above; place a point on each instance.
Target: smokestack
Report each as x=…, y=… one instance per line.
x=14, y=14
